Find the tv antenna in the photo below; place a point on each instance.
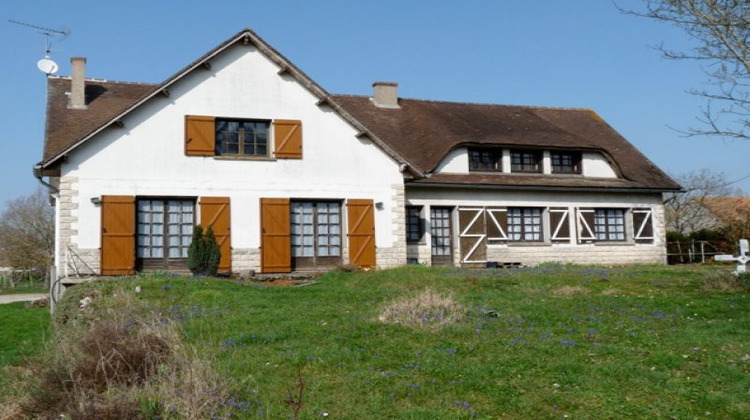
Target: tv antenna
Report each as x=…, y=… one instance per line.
x=46, y=65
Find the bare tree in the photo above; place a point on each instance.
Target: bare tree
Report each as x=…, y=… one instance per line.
x=685, y=212
x=27, y=232
x=720, y=30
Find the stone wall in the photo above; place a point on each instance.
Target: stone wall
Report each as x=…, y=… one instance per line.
x=74, y=261
x=395, y=255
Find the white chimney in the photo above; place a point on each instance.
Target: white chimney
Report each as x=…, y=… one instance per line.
x=385, y=94
x=78, y=83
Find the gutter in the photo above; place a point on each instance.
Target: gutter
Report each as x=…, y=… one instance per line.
x=37, y=169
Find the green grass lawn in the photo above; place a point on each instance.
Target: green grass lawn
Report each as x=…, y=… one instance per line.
x=22, y=334
x=545, y=342
x=641, y=341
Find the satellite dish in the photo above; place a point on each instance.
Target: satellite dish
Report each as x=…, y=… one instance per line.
x=47, y=66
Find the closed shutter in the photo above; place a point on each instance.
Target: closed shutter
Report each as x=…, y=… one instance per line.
x=275, y=228
x=586, y=225
x=559, y=221
x=288, y=139
x=643, y=228
x=497, y=225
x=361, y=215
x=118, y=235
x=200, y=135
x=215, y=212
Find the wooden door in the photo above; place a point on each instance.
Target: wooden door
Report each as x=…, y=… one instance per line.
x=472, y=226
x=361, y=215
x=215, y=212
x=118, y=235
x=275, y=248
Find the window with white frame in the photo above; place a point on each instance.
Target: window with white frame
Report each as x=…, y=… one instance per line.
x=525, y=224
x=609, y=224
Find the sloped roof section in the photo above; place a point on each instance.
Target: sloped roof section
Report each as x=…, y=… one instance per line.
x=69, y=128
x=425, y=131
x=105, y=100
x=727, y=209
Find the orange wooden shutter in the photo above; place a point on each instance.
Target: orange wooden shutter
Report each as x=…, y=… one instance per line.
x=361, y=215
x=200, y=135
x=276, y=242
x=215, y=213
x=288, y=139
x=118, y=235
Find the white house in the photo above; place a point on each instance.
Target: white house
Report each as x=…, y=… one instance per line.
x=293, y=178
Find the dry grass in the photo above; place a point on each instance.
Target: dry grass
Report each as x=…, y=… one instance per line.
x=426, y=309
x=117, y=365
x=722, y=281
x=570, y=291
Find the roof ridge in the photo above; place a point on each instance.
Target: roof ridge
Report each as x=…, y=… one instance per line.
x=477, y=103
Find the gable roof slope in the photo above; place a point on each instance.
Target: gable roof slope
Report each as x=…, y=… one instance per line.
x=727, y=209
x=67, y=128
x=425, y=131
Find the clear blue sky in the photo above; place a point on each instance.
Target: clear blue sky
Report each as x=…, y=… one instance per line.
x=565, y=53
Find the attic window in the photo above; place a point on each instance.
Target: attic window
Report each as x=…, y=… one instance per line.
x=242, y=137
x=525, y=161
x=566, y=162
x=485, y=160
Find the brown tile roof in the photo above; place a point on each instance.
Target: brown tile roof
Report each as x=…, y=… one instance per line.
x=527, y=181
x=418, y=134
x=425, y=131
x=105, y=100
x=727, y=209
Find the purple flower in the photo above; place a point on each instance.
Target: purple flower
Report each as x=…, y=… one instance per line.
x=568, y=343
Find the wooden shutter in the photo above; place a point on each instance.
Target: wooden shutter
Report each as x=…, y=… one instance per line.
x=118, y=235
x=643, y=228
x=497, y=225
x=586, y=225
x=559, y=222
x=275, y=234
x=215, y=212
x=200, y=135
x=361, y=215
x=288, y=139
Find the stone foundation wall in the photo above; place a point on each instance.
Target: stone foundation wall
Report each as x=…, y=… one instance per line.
x=245, y=260
x=578, y=254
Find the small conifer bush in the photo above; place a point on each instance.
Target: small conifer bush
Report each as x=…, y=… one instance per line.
x=204, y=252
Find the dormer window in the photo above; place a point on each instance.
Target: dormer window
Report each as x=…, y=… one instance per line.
x=566, y=162
x=485, y=160
x=525, y=161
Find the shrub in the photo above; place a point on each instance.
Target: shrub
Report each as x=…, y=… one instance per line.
x=427, y=309
x=120, y=359
x=204, y=252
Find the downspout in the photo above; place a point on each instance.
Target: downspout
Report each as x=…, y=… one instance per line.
x=38, y=175
x=55, y=278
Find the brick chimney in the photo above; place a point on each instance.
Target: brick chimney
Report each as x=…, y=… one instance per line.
x=385, y=94
x=78, y=83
